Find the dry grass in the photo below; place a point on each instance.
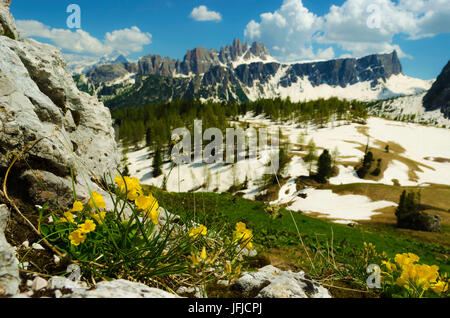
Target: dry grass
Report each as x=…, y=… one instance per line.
x=363, y=130
x=395, y=151
x=438, y=159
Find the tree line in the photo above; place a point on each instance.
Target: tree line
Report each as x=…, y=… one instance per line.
x=154, y=122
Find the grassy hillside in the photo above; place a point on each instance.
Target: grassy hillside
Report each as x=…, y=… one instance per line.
x=330, y=246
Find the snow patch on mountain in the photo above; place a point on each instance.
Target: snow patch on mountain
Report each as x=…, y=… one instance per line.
x=303, y=89
x=409, y=108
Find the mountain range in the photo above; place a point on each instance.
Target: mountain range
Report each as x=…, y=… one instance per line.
x=241, y=72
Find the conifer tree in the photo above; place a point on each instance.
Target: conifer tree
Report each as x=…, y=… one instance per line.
x=148, y=138
x=324, y=166
x=335, y=156
x=366, y=164
x=157, y=162
x=311, y=156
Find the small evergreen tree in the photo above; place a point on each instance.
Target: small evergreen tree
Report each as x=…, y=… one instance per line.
x=148, y=138
x=311, y=156
x=377, y=170
x=301, y=140
x=407, y=212
x=157, y=162
x=366, y=164
x=335, y=156
x=324, y=169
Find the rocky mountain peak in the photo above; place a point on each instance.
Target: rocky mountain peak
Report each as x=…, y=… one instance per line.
x=199, y=60
x=238, y=48
x=438, y=97
x=259, y=50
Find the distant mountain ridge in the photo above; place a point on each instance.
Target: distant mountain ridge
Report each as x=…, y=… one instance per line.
x=247, y=72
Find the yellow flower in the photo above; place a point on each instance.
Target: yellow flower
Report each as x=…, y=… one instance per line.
x=420, y=275
x=99, y=217
x=199, y=230
x=97, y=201
x=243, y=235
x=146, y=203
x=77, y=206
x=440, y=287
x=131, y=185
x=150, y=206
x=87, y=227
x=194, y=259
x=119, y=181
x=406, y=259
x=77, y=237
x=391, y=267
x=228, y=268
x=68, y=218
x=154, y=215
x=241, y=227
x=203, y=253
x=401, y=281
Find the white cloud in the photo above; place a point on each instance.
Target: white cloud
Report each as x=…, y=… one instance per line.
x=202, y=13
x=132, y=39
x=359, y=27
x=81, y=42
x=289, y=31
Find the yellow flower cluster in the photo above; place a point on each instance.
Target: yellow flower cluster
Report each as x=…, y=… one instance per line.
x=97, y=201
x=148, y=204
x=420, y=275
x=406, y=259
x=129, y=185
x=417, y=277
x=68, y=216
x=243, y=235
x=198, y=230
x=78, y=236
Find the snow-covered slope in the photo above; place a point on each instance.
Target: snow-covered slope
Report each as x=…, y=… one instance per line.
x=409, y=108
x=428, y=146
x=303, y=89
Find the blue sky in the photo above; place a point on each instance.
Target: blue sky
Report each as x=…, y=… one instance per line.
x=291, y=29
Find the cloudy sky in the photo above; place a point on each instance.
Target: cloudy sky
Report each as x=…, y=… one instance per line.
x=293, y=30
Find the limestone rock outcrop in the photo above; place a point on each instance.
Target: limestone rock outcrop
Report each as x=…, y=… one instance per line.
x=9, y=265
x=271, y=282
x=40, y=101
